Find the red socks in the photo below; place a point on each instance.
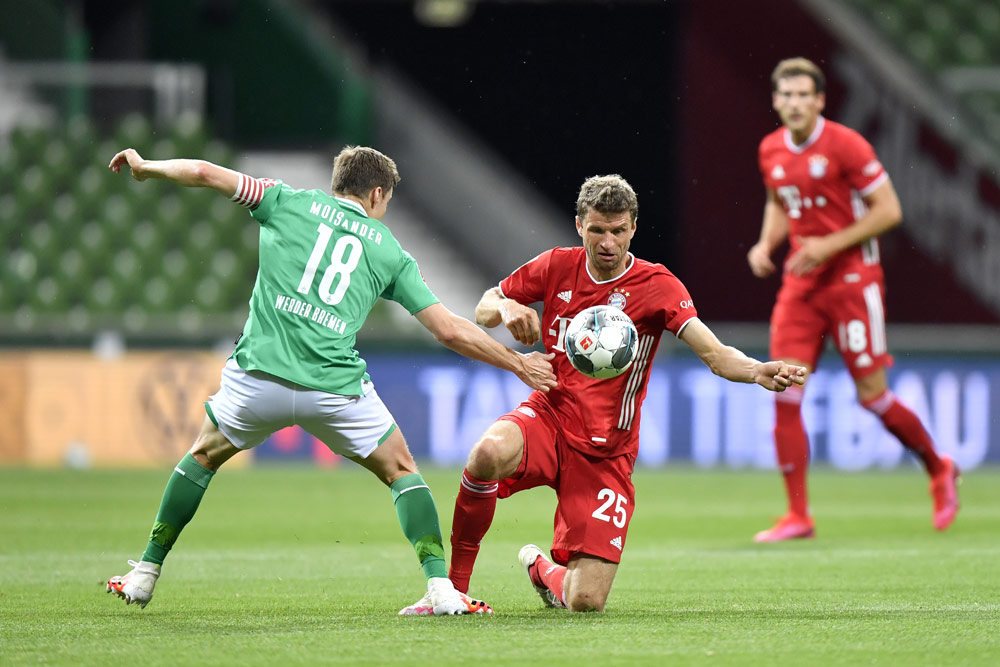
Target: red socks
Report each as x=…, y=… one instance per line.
x=792, y=445
x=545, y=573
x=902, y=423
x=474, y=508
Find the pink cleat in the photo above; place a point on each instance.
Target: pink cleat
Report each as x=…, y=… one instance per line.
x=944, y=490
x=789, y=527
x=422, y=607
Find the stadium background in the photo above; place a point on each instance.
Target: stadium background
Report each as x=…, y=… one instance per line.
x=119, y=301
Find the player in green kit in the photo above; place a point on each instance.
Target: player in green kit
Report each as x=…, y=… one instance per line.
x=324, y=262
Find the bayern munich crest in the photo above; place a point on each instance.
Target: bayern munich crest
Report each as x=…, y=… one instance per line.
x=817, y=166
x=617, y=298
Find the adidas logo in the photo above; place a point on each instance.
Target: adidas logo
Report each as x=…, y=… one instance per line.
x=565, y=296
x=617, y=543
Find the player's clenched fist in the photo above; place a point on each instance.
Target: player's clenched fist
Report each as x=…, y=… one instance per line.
x=521, y=321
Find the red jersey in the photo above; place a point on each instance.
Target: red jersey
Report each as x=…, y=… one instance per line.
x=820, y=183
x=599, y=417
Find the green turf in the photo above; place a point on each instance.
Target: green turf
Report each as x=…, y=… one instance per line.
x=308, y=566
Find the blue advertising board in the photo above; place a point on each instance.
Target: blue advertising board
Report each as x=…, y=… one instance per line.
x=444, y=403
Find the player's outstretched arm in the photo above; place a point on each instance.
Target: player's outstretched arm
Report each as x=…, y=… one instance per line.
x=730, y=363
x=520, y=320
x=189, y=173
x=459, y=334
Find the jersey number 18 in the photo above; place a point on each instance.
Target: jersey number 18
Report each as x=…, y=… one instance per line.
x=343, y=260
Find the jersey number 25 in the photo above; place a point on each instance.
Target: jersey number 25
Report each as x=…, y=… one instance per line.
x=609, y=497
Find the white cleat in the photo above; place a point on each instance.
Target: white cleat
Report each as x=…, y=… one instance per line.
x=422, y=607
x=528, y=554
x=136, y=586
x=443, y=600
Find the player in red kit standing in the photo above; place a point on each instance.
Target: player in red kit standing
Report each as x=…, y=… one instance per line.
x=828, y=194
x=582, y=437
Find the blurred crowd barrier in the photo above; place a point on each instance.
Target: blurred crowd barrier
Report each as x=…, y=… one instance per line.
x=145, y=408
x=74, y=408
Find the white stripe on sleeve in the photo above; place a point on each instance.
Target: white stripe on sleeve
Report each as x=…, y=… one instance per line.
x=249, y=191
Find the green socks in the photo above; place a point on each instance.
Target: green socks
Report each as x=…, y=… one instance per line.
x=413, y=500
x=419, y=518
x=180, y=500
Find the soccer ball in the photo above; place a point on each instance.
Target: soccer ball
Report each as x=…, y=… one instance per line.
x=601, y=342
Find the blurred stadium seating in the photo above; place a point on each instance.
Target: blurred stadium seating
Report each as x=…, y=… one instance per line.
x=87, y=251
x=957, y=41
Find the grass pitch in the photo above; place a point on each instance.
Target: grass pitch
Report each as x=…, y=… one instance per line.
x=308, y=566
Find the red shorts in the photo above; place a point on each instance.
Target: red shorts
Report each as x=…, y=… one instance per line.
x=852, y=314
x=595, y=495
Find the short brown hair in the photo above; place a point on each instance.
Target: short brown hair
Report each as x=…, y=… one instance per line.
x=797, y=67
x=357, y=170
x=607, y=194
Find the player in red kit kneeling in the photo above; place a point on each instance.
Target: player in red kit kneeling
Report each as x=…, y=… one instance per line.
x=582, y=437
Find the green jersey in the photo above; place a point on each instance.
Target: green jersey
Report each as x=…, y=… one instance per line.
x=323, y=265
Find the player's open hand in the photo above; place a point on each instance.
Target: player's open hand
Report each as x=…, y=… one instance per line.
x=777, y=375
x=813, y=251
x=521, y=321
x=132, y=158
x=536, y=371
x=760, y=262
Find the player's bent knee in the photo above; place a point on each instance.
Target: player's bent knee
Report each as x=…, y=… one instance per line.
x=586, y=601
x=484, y=459
x=489, y=457
x=212, y=449
x=498, y=452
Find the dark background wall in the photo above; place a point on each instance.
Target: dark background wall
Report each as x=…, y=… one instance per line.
x=561, y=91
